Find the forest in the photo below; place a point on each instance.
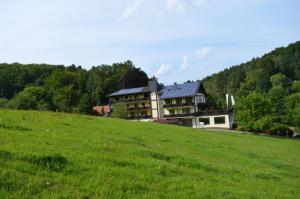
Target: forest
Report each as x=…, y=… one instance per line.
x=64, y=89
x=266, y=89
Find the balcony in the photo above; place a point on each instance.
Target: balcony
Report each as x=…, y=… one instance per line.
x=131, y=100
x=144, y=107
x=143, y=99
x=132, y=108
x=178, y=105
x=180, y=115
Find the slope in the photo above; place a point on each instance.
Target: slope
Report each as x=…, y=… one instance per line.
x=55, y=155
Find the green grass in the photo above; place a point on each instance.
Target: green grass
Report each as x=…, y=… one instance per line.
x=54, y=155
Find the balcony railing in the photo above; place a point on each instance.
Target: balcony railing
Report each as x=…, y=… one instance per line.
x=144, y=107
x=180, y=115
x=178, y=105
x=143, y=99
x=139, y=107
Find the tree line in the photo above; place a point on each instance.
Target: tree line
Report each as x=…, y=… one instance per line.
x=64, y=88
x=267, y=90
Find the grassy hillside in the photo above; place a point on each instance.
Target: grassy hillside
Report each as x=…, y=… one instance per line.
x=51, y=155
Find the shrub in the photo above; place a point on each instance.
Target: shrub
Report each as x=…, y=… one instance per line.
x=3, y=102
x=254, y=112
x=241, y=128
x=120, y=111
x=281, y=130
x=31, y=98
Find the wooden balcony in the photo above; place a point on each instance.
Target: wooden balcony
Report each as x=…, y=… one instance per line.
x=178, y=105
x=180, y=115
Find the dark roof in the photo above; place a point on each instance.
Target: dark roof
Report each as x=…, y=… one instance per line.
x=153, y=86
x=180, y=90
x=129, y=91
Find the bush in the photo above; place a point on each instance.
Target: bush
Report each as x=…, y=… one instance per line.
x=85, y=104
x=281, y=130
x=31, y=98
x=120, y=111
x=254, y=112
x=263, y=124
x=3, y=103
x=241, y=128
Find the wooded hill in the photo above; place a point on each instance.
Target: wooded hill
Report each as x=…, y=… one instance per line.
x=255, y=75
x=266, y=88
x=61, y=88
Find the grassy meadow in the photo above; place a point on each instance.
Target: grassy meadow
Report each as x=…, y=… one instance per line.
x=55, y=155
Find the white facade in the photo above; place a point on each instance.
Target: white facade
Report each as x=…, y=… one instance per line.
x=215, y=121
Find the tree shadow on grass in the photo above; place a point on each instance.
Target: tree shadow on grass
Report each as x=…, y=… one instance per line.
x=55, y=163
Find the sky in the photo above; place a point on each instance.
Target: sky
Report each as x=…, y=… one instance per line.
x=175, y=40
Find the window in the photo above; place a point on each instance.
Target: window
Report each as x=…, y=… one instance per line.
x=171, y=112
x=219, y=120
x=204, y=120
x=189, y=100
x=178, y=101
x=186, y=110
x=168, y=101
x=200, y=99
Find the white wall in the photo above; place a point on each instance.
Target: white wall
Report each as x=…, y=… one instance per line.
x=212, y=124
x=154, y=105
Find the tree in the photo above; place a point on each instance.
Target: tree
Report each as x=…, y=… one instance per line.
x=85, y=105
x=120, y=111
x=277, y=96
x=254, y=112
x=32, y=98
x=3, y=102
x=295, y=116
x=296, y=87
x=279, y=80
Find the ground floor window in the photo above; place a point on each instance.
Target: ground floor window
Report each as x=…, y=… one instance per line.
x=205, y=120
x=219, y=120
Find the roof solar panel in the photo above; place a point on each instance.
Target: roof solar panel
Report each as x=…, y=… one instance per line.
x=180, y=90
x=127, y=91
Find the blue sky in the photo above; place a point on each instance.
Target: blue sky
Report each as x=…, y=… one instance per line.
x=175, y=40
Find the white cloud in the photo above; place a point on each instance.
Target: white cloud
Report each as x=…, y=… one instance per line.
x=131, y=9
x=185, y=63
x=176, y=5
x=164, y=69
x=203, y=52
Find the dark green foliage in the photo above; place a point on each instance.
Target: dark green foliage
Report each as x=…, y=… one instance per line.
x=32, y=98
x=281, y=130
x=120, y=111
x=277, y=96
x=295, y=116
x=254, y=112
x=296, y=87
x=276, y=75
x=279, y=80
x=3, y=103
x=65, y=86
x=84, y=105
